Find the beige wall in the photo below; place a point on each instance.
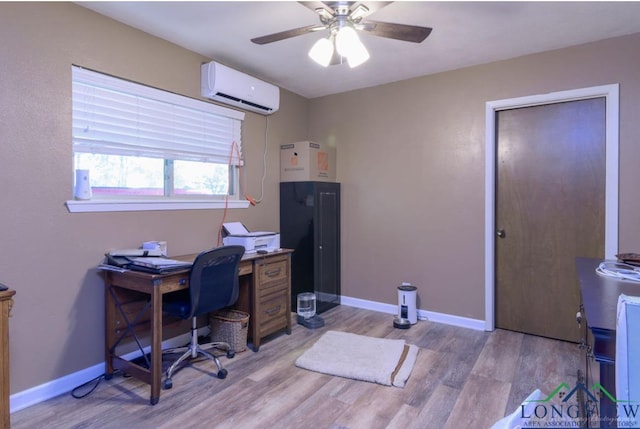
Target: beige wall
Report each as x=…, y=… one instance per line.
x=47, y=254
x=411, y=163
x=410, y=157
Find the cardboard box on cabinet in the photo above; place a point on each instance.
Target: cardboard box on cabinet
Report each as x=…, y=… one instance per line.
x=307, y=161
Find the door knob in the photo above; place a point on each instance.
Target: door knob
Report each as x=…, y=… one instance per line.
x=501, y=233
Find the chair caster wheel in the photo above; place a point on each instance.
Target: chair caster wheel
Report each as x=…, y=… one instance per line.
x=231, y=354
x=168, y=384
x=222, y=374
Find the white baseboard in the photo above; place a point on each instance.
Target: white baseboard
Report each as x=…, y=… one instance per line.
x=448, y=319
x=62, y=385
x=51, y=389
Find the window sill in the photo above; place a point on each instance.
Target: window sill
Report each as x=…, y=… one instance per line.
x=88, y=206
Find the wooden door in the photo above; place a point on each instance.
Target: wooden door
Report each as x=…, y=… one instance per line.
x=550, y=208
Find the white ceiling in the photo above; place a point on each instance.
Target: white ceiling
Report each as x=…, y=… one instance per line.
x=464, y=34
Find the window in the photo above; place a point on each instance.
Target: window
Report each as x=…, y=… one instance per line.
x=142, y=144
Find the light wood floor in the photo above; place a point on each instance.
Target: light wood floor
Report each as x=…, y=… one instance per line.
x=462, y=378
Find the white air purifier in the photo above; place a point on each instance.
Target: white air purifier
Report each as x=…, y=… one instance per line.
x=407, y=297
x=82, y=190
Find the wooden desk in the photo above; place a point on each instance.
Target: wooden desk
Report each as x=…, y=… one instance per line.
x=6, y=302
x=133, y=310
x=600, y=301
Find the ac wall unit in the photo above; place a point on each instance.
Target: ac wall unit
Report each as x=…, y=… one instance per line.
x=235, y=88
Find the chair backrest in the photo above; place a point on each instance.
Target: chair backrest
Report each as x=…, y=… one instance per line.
x=213, y=283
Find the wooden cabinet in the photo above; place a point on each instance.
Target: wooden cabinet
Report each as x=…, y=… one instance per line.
x=6, y=303
x=268, y=300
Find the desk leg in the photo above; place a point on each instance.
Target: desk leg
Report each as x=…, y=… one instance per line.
x=255, y=310
x=156, y=344
x=109, y=337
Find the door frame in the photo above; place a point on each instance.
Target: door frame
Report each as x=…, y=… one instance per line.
x=611, y=94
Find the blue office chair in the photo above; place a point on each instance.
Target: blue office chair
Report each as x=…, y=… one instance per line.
x=213, y=285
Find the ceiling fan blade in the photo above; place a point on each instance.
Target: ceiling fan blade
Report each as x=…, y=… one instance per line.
x=407, y=33
x=287, y=34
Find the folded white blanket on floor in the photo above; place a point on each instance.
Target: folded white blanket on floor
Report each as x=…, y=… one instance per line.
x=378, y=360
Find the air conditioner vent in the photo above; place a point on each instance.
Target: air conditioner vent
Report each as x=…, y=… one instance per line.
x=248, y=103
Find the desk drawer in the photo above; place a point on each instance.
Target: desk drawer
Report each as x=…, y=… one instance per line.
x=246, y=267
x=173, y=283
x=272, y=271
x=267, y=289
x=273, y=312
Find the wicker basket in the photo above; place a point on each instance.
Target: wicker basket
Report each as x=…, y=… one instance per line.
x=230, y=326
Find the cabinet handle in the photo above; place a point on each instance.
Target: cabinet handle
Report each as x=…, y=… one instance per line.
x=273, y=310
x=273, y=272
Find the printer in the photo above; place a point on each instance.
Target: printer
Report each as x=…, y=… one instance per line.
x=235, y=233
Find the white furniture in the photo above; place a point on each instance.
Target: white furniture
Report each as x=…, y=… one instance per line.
x=627, y=358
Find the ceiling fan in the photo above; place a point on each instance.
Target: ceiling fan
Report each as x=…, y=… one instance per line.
x=343, y=19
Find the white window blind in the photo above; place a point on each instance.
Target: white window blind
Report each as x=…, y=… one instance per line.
x=118, y=117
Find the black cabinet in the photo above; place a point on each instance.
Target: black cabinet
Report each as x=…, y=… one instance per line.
x=310, y=224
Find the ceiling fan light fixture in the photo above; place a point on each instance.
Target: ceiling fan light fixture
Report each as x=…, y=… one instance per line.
x=358, y=56
x=322, y=52
x=347, y=41
x=342, y=19
x=348, y=45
